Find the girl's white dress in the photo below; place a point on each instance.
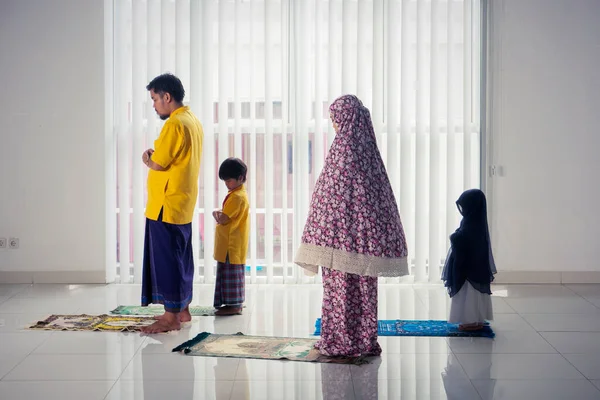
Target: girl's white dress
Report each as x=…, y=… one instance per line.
x=470, y=306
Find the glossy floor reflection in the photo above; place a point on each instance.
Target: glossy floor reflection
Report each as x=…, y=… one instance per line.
x=547, y=347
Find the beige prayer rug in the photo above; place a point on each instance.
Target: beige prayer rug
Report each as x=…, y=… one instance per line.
x=102, y=323
x=260, y=347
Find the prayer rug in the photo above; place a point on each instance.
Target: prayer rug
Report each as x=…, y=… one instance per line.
x=261, y=347
x=398, y=327
x=195, y=311
x=84, y=322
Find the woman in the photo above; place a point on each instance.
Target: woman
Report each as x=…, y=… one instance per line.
x=353, y=232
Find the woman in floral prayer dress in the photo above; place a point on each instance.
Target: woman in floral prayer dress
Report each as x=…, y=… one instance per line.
x=353, y=232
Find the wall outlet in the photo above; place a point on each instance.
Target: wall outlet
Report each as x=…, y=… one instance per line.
x=3, y=243
x=13, y=243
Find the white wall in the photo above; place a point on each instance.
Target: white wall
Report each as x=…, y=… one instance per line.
x=52, y=135
x=545, y=127
x=544, y=123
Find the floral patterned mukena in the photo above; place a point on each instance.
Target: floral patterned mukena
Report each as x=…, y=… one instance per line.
x=353, y=232
x=348, y=315
x=353, y=209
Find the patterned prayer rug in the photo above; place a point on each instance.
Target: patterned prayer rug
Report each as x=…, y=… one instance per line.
x=398, y=327
x=196, y=311
x=261, y=347
x=84, y=322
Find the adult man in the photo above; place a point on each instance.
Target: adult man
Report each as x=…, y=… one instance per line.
x=174, y=164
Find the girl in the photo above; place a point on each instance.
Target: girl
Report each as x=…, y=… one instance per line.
x=470, y=266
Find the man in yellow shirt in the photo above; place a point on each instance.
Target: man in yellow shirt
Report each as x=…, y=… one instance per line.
x=174, y=163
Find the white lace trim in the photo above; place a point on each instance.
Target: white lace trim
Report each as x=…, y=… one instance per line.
x=310, y=256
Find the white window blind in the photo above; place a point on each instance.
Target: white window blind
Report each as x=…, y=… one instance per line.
x=260, y=75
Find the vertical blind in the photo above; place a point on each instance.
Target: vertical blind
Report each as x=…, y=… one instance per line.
x=260, y=75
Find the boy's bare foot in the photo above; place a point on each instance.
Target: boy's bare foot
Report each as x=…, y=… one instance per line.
x=168, y=322
x=229, y=310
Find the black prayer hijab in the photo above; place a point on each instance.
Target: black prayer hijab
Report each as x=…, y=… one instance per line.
x=470, y=257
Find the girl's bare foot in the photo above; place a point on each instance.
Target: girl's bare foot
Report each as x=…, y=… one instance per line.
x=470, y=327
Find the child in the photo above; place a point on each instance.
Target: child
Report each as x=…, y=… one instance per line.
x=470, y=266
x=231, y=239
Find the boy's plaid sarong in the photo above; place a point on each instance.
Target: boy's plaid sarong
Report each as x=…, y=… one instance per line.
x=230, y=286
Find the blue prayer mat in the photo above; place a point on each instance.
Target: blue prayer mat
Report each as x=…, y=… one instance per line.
x=398, y=327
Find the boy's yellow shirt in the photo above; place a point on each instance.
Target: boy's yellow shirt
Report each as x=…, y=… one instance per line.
x=232, y=238
x=179, y=150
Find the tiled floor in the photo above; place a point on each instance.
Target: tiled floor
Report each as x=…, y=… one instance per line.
x=547, y=347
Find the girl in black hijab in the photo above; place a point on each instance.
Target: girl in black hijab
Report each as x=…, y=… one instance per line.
x=470, y=267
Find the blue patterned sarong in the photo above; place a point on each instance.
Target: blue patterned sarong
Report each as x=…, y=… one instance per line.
x=168, y=270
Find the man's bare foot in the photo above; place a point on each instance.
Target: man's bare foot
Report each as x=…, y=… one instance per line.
x=168, y=322
x=185, y=315
x=228, y=310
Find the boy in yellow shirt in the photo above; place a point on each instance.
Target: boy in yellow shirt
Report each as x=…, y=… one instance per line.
x=231, y=239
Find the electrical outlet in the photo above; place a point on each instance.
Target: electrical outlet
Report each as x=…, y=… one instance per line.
x=2, y=243
x=13, y=243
